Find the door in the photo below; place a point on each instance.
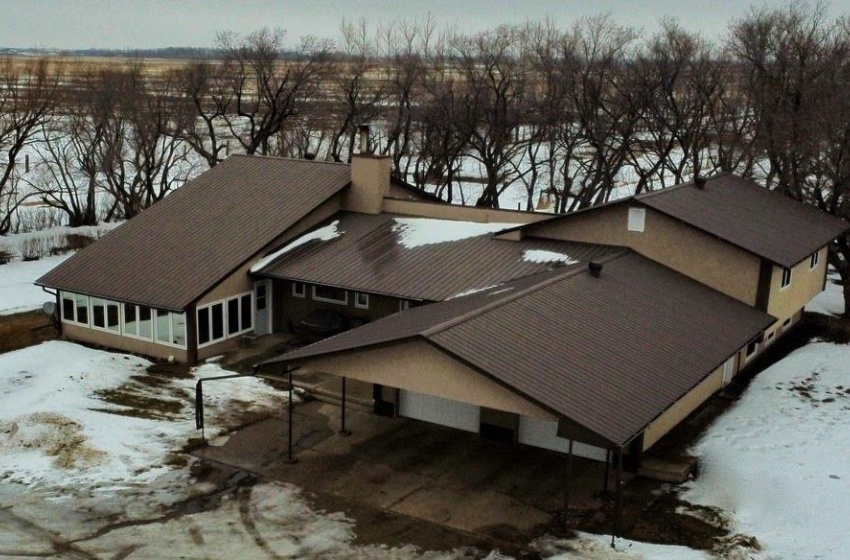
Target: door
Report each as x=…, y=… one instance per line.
x=262, y=307
x=437, y=410
x=537, y=432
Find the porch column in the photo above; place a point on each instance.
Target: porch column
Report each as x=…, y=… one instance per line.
x=289, y=458
x=607, y=469
x=343, y=431
x=618, y=514
x=568, y=483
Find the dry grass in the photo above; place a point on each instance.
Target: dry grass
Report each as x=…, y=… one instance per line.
x=24, y=329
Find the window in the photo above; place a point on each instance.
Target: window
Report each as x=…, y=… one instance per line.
x=220, y=320
x=75, y=308
x=813, y=260
x=299, y=290
x=751, y=348
x=67, y=306
x=261, y=296
x=361, y=300
x=786, y=323
x=138, y=321
x=82, y=308
x=104, y=314
x=786, y=278
x=170, y=328
x=403, y=304
x=637, y=219
x=330, y=295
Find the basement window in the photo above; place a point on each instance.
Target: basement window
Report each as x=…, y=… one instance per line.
x=813, y=260
x=786, y=278
x=330, y=295
x=637, y=219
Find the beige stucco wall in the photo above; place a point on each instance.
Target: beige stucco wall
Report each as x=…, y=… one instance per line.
x=670, y=418
x=418, y=366
x=669, y=242
x=464, y=213
x=806, y=283
x=124, y=343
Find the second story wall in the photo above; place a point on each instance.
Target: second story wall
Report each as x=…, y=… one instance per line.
x=805, y=282
x=670, y=242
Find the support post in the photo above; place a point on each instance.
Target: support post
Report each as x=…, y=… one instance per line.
x=568, y=483
x=343, y=431
x=289, y=458
x=618, y=513
x=607, y=471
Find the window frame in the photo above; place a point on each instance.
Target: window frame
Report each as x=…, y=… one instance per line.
x=302, y=293
x=364, y=304
x=106, y=303
x=403, y=304
x=785, y=280
x=225, y=305
x=636, y=222
x=316, y=297
x=138, y=312
x=748, y=354
x=814, y=259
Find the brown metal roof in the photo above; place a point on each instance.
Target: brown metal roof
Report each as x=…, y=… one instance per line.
x=175, y=251
x=761, y=221
x=369, y=256
x=609, y=353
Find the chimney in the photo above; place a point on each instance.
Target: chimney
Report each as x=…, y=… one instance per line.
x=595, y=268
x=364, y=139
x=699, y=182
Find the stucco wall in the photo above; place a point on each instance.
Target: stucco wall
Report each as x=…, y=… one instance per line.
x=124, y=343
x=683, y=407
x=669, y=242
x=465, y=213
x=806, y=283
x=418, y=366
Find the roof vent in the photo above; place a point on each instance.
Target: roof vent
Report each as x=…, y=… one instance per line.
x=364, y=138
x=699, y=181
x=309, y=155
x=595, y=268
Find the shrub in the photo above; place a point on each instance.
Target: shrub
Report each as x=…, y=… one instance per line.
x=33, y=248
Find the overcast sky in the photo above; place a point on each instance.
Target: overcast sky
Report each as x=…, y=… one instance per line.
x=119, y=24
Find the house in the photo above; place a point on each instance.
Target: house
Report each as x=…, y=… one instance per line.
x=593, y=333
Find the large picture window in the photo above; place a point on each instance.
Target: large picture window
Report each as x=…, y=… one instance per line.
x=138, y=321
x=225, y=319
x=104, y=315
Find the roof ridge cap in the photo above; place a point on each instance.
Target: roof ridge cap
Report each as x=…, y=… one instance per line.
x=463, y=317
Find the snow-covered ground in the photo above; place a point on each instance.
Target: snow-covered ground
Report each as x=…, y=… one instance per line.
x=831, y=300
x=17, y=291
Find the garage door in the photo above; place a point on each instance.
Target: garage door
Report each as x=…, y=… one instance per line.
x=438, y=410
x=544, y=433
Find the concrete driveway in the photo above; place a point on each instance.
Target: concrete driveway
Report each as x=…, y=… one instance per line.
x=414, y=469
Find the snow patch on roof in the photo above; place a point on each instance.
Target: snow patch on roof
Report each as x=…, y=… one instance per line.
x=330, y=231
x=415, y=232
x=543, y=256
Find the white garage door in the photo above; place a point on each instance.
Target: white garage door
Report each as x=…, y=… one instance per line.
x=438, y=410
x=544, y=433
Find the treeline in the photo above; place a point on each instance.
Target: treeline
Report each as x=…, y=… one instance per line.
x=569, y=114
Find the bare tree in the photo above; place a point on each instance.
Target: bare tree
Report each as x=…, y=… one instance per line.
x=797, y=69
x=29, y=93
x=267, y=91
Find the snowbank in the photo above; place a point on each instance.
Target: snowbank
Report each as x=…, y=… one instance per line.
x=17, y=291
